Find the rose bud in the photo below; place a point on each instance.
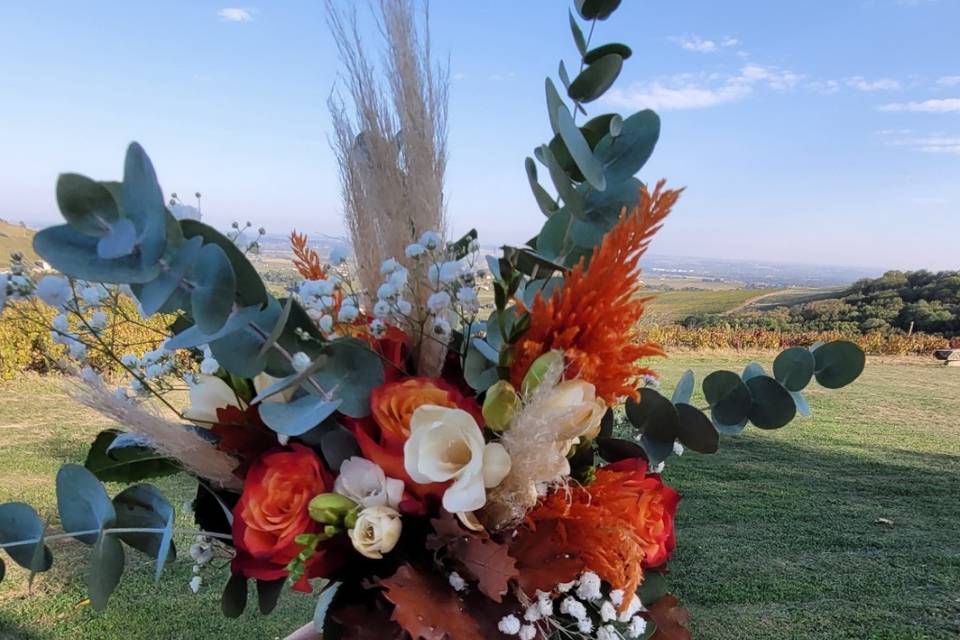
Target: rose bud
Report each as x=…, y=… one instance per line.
x=376, y=531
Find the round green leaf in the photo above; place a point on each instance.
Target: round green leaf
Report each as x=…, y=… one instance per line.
x=142, y=202
x=351, y=372
x=838, y=363
x=594, y=81
x=131, y=463
x=684, y=389
x=625, y=154
x=83, y=503
x=119, y=241
x=794, y=368
x=596, y=53
x=18, y=522
x=142, y=506
x=154, y=295
x=773, y=406
x=86, y=205
x=615, y=449
x=251, y=290
x=596, y=9
x=104, y=568
x=298, y=416
x=214, y=283
x=654, y=416
x=696, y=431
x=580, y=151
x=75, y=254
x=728, y=396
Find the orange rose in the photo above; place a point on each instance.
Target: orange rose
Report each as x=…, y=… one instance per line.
x=391, y=406
x=272, y=512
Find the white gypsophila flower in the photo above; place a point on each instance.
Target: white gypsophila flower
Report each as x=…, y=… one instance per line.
x=608, y=612
x=326, y=323
x=326, y=302
x=632, y=609
x=339, y=255
x=585, y=626
x=381, y=309
x=467, y=296
x=90, y=376
x=404, y=307
x=154, y=371
x=438, y=302
x=532, y=613
x=441, y=327
x=456, y=581
x=660, y=466
x=93, y=295
x=430, y=239
x=78, y=350
x=564, y=587
x=415, y=250
x=389, y=266
x=637, y=627
x=120, y=394
x=137, y=387
x=588, y=587
x=365, y=483
x=445, y=273
x=209, y=366
x=509, y=625
x=651, y=381
x=378, y=328
x=386, y=291
x=348, y=313
x=182, y=211
x=98, y=320
x=677, y=448
x=300, y=361
x=154, y=356
x=195, y=583
x=545, y=604
x=398, y=278
x=616, y=597
x=572, y=607
x=527, y=632
x=55, y=291
x=201, y=551
x=130, y=360
x=607, y=632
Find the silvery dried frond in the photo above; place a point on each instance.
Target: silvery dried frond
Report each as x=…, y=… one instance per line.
x=197, y=455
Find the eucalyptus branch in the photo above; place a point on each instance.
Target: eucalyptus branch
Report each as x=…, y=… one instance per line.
x=115, y=530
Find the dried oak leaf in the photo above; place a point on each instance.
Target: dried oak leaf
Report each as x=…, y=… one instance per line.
x=670, y=618
x=426, y=607
x=481, y=557
x=544, y=560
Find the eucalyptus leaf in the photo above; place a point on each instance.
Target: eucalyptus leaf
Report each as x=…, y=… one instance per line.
x=85, y=204
x=576, y=144
x=234, y=598
x=83, y=503
x=596, y=53
x=596, y=9
x=239, y=320
x=113, y=458
x=794, y=368
x=653, y=415
x=324, y=600
x=773, y=407
x=561, y=181
x=803, y=407
x=250, y=290
x=298, y=416
x=119, y=241
x=19, y=522
x=684, y=389
x=625, y=154
x=142, y=506
x=695, y=430
x=104, y=568
x=593, y=82
x=578, y=38
x=546, y=203
x=616, y=449
x=75, y=254
x=564, y=75
x=268, y=594
x=351, y=372
x=153, y=296
x=729, y=398
x=838, y=363
x=212, y=295
x=143, y=204
x=554, y=102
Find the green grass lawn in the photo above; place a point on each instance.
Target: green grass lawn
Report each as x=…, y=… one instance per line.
x=778, y=533
x=673, y=306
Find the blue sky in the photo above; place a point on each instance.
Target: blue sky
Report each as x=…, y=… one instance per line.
x=821, y=131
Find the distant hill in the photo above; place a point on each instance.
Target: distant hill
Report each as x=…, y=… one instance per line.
x=15, y=237
x=897, y=302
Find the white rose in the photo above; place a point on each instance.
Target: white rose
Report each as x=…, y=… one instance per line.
x=365, y=482
x=208, y=394
x=447, y=444
x=376, y=532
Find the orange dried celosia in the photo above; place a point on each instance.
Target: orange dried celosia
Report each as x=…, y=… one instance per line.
x=305, y=259
x=618, y=525
x=593, y=317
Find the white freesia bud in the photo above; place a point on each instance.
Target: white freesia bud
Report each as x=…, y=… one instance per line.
x=447, y=444
x=365, y=482
x=376, y=532
x=208, y=394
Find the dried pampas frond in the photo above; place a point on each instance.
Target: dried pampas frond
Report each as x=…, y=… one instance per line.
x=390, y=139
x=196, y=454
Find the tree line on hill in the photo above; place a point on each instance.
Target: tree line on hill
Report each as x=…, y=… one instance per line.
x=897, y=302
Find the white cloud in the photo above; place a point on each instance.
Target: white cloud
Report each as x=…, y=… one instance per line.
x=944, y=105
x=687, y=91
x=949, y=81
x=862, y=84
x=236, y=14
x=826, y=87
x=702, y=45
x=938, y=143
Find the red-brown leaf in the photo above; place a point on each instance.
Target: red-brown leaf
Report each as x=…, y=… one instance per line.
x=670, y=618
x=481, y=558
x=543, y=560
x=426, y=607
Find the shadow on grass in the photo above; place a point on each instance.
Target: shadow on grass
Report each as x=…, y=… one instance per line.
x=776, y=540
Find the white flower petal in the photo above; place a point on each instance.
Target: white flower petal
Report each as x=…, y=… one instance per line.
x=496, y=464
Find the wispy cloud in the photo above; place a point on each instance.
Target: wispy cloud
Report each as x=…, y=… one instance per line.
x=948, y=81
x=703, y=45
x=236, y=14
x=689, y=91
x=936, y=105
x=882, y=84
x=938, y=143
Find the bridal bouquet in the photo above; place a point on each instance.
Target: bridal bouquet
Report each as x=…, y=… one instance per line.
x=429, y=463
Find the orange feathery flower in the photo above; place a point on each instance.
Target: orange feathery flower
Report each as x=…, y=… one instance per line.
x=618, y=525
x=593, y=317
x=305, y=259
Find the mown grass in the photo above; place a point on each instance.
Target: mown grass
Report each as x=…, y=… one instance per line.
x=779, y=533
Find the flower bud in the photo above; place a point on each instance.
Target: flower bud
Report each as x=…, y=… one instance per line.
x=331, y=508
x=500, y=406
x=548, y=367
